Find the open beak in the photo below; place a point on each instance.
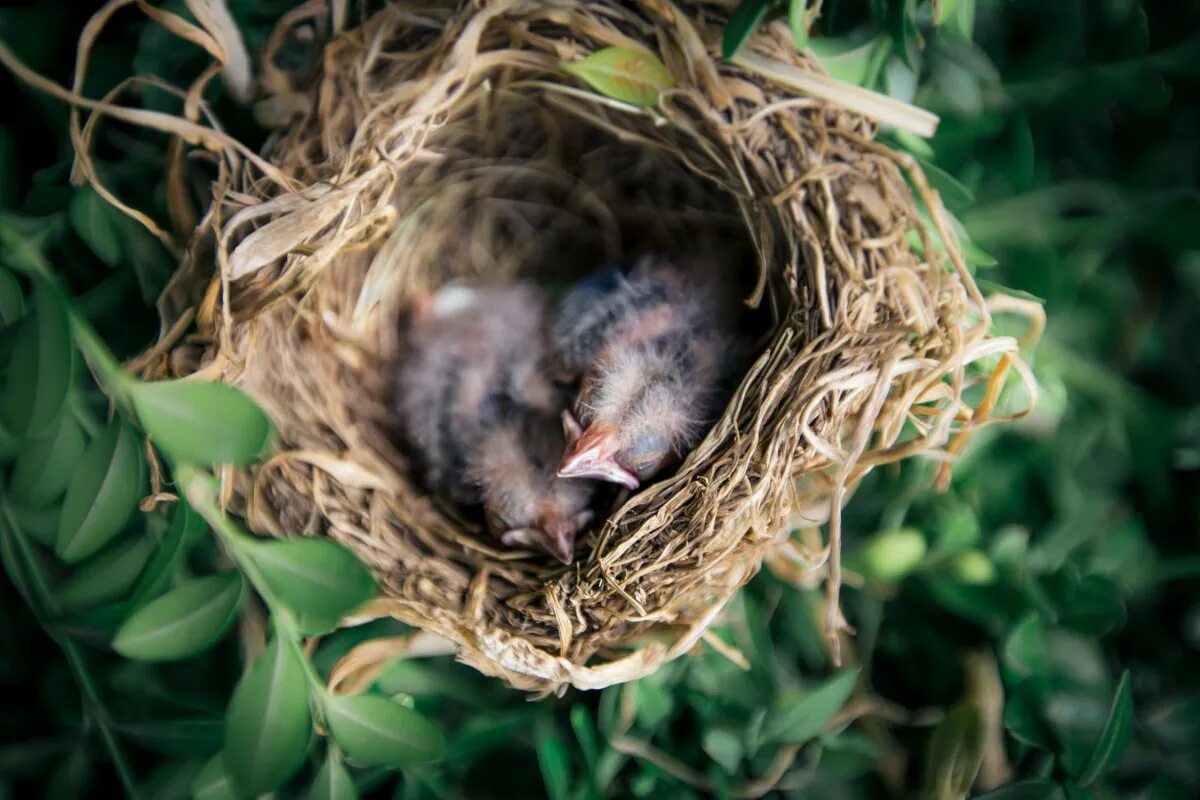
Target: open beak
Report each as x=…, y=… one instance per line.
x=591, y=456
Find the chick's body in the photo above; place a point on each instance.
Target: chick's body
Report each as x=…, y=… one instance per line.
x=480, y=413
x=652, y=349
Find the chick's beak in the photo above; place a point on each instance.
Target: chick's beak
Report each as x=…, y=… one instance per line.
x=572, y=430
x=560, y=543
x=557, y=541
x=591, y=456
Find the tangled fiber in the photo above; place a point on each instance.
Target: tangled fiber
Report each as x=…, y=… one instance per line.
x=437, y=141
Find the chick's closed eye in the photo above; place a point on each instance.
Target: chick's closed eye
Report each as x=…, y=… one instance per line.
x=645, y=455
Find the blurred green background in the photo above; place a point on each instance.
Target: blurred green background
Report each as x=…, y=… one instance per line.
x=1058, y=575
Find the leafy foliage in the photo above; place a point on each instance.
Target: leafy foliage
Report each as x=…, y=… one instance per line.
x=1040, y=615
x=38, y=375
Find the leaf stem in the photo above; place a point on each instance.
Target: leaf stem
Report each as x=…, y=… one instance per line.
x=200, y=489
x=79, y=668
x=107, y=369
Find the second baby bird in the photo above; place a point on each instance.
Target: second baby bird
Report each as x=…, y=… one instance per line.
x=651, y=348
x=481, y=414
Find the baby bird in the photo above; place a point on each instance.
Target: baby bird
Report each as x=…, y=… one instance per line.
x=526, y=504
x=481, y=413
x=652, y=348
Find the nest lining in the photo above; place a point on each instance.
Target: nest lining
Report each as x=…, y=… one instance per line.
x=438, y=143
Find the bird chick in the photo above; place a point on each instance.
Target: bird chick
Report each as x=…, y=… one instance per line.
x=653, y=348
x=473, y=395
x=526, y=504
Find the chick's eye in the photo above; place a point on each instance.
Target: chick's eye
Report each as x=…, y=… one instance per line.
x=645, y=456
x=644, y=469
x=644, y=466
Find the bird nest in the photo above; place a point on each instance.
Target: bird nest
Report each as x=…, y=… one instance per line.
x=434, y=143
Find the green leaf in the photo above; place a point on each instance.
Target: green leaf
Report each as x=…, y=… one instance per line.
x=314, y=577
x=744, y=20
x=180, y=736
x=892, y=555
x=909, y=142
x=581, y=724
x=964, y=18
x=40, y=523
x=654, y=703
x=92, y=218
x=374, y=731
x=485, y=733
x=170, y=778
x=1025, y=647
x=943, y=10
x=724, y=747
x=202, y=422
x=906, y=37
x=1114, y=739
x=1096, y=606
x=9, y=445
x=552, y=759
x=12, y=300
x=899, y=80
x=1024, y=156
x=212, y=782
x=955, y=753
x=185, y=524
x=106, y=576
x=808, y=715
x=332, y=781
x=14, y=566
x=1023, y=715
x=182, y=622
x=269, y=723
x=46, y=465
x=857, y=64
x=311, y=625
x=108, y=484
x=976, y=256
x=21, y=242
x=972, y=567
x=39, y=373
x=954, y=194
x=634, y=76
x=798, y=23
x=1033, y=789
x=72, y=776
